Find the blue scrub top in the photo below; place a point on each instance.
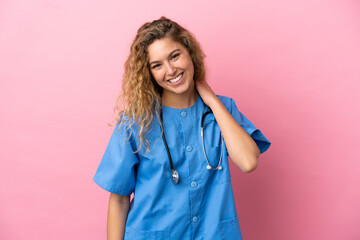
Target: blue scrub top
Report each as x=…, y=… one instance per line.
x=201, y=205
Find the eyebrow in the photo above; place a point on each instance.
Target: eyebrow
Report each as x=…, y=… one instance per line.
x=171, y=53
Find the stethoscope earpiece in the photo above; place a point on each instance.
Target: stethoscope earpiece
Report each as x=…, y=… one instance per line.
x=208, y=167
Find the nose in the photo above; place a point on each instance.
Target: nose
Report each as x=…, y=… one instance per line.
x=170, y=69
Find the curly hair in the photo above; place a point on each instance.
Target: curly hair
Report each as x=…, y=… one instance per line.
x=140, y=98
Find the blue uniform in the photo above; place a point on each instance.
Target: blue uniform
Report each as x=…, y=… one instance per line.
x=201, y=205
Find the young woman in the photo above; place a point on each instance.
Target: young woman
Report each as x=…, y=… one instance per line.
x=171, y=143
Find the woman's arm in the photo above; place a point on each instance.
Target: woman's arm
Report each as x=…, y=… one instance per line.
x=241, y=147
x=117, y=215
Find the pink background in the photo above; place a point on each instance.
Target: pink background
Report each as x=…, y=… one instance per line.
x=293, y=68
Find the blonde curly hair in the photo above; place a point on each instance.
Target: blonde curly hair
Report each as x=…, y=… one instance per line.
x=140, y=98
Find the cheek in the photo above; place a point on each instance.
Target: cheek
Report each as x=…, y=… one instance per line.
x=157, y=75
x=191, y=68
x=190, y=64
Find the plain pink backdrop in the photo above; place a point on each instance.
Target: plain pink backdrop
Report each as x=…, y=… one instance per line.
x=293, y=68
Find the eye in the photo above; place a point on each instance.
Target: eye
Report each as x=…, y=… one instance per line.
x=176, y=55
x=155, y=66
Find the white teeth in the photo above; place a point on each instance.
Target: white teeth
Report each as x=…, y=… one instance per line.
x=176, y=79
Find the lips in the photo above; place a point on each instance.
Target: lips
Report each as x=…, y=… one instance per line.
x=176, y=80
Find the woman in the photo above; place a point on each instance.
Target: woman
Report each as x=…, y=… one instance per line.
x=179, y=174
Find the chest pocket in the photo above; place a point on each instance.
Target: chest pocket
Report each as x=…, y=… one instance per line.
x=212, y=132
x=230, y=229
x=214, y=150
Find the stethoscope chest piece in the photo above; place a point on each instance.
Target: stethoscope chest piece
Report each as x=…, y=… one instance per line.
x=174, y=176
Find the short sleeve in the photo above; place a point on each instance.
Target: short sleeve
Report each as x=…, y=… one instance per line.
x=117, y=170
x=261, y=141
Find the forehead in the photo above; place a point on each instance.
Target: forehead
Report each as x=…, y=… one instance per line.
x=161, y=48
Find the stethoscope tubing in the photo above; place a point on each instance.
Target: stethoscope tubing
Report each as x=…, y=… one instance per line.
x=174, y=174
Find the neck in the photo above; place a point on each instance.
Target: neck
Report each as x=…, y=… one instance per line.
x=179, y=101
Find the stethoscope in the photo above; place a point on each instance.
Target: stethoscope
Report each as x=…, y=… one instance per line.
x=174, y=174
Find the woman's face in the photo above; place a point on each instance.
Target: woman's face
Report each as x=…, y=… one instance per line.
x=171, y=66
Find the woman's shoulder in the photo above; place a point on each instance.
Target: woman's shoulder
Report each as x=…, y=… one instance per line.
x=227, y=101
x=131, y=127
x=126, y=123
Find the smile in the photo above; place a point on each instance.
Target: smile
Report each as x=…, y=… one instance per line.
x=176, y=79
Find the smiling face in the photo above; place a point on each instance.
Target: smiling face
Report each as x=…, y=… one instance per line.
x=171, y=67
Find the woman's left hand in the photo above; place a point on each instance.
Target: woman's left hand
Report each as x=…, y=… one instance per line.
x=241, y=147
x=206, y=93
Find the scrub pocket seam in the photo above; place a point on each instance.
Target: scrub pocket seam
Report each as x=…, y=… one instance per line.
x=131, y=233
x=230, y=229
